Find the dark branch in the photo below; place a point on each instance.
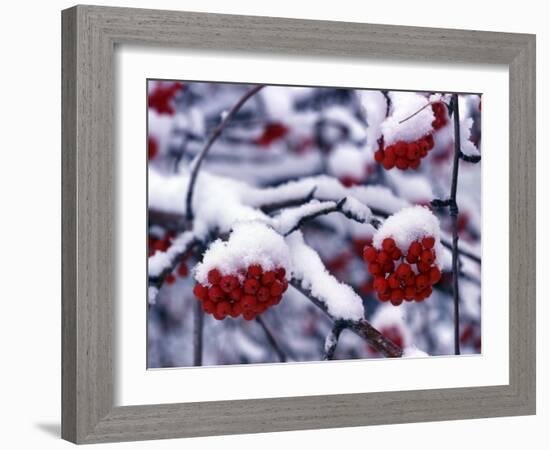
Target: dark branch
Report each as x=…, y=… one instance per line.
x=419, y=110
x=198, y=320
x=360, y=327
x=470, y=158
x=276, y=206
x=280, y=353
x=331, y=341
x=195, y=165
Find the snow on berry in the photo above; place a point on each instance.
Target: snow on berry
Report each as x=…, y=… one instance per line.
x=403, y=257
x=340, y=300
x=249, y=244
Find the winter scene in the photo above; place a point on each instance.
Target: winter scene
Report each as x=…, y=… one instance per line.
x=296, y=224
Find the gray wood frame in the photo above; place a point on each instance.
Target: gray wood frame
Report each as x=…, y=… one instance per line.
x=90, y=34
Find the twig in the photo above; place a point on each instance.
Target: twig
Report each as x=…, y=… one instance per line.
x=453, y=211
x=418, y=111
x=474, y=159
x=196, y=163
x=462, y=251
x=280, y=353
x=276, y=206
x=198, y=320
x=360, y=327
x=336, y=207
x=331, y=340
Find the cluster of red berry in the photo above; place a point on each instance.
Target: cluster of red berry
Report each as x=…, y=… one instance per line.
x=440, y=112
x=395, y=278
x=404, y=155
x=229, y=296
x=160, y=98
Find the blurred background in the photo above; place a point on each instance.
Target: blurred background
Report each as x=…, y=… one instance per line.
x=287, y=133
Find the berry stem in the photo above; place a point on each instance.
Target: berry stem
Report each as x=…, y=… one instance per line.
x=361, y=327
x=272, y=341
x=198, y=322
x=331, y=341
x=196, y=163
x=453, y=211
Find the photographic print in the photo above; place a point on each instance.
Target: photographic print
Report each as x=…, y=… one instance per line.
x=304, y=224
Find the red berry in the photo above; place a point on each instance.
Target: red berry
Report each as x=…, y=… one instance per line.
x=370, y=254
x=380, y=284
x=388, y=267
x=403, y=271
x=249, y=315
x=415, y=249
x=152, y=148
x=248, y=302
x=413, y=151
x=393, y=281
x=402, y=163
x=276, y=289
x=414, y=164
x=170, y=278
x=214, y=276
x=383, y=257
x=200, y=291
x=280, y=273
x=428, y=242
x=409, y=293
x=255, y=271
x=427, y=256
x=388, y=244
x=374, y=268
x=411, y=281
x=236, y=294
x=229, y=283
x=423, y=267
x=378, y=156
x=396, y=254
x=435, y=275
x=429, y=141
x=208, y=306
x=223, y=309
x=275, y=300
x=263, y=294
x=422, y=282
x=268, y=277
x=397, y=296
x=385, y=296
x=183, y=271
x=236, y=310
x=389, y=162
x=400, y=149
x=285, y=285
x=426, y=292
x=251, y=286
x=215, y=294
x=411, y=259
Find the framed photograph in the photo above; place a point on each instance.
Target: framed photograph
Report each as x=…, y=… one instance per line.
x=276, y=224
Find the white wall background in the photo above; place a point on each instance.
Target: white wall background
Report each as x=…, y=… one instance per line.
x=30, y=221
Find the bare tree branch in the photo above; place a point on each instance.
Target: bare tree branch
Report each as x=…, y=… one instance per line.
x=196, y=163
x=198, y=320
x=331, y=341
x=360, y=327
x=272, y=341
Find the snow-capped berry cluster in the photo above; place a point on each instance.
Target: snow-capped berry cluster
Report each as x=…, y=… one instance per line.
x=399, y=276
x=248, y=292
x=407, y=153
x=404, y=155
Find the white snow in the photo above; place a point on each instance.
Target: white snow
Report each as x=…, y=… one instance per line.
x=413, y=352
x=249, y=243
x=404, y=104
x=162, y=260
x=374, y=104
x=414, y=188
x=408, y=225
x=347, y=160
x=340, y=299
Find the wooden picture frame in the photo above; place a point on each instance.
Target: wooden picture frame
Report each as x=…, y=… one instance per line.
x=90, y=34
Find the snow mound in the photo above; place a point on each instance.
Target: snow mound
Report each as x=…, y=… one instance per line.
x=409, y=225
x=347, y=160
x=341, y=301
x=404, y=104
x=161, y=260
x=249, y=243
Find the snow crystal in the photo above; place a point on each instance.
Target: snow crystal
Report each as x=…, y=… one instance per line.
x=404, y=104
x=162, y=260
x=408, y=225
x=341, y=301
x=249, y=243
